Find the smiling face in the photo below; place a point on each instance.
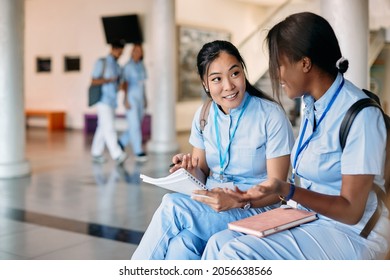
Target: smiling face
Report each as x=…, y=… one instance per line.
x=225, y=80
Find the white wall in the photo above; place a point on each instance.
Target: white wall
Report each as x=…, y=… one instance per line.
x=379, y=14
x=58, y=28
x=55, y=28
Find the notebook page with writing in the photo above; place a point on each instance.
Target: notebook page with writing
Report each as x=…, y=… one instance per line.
x=179, y=181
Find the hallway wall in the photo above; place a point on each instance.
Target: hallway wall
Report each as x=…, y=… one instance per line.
x=54, y=29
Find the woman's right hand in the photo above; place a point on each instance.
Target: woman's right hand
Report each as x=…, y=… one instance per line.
x=185, y=161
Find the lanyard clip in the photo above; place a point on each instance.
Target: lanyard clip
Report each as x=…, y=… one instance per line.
x=292, y=179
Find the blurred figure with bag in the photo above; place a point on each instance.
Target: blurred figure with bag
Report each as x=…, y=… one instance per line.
x=107, y=73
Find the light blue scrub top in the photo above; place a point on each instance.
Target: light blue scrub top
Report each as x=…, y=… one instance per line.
x=112, y=70
x=135, y=75
x=320, y=166
x=264, y=132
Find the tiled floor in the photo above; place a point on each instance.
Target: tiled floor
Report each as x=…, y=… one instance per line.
x=70, y=208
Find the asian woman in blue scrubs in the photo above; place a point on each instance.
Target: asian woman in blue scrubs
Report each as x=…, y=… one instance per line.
x=306, y=61
x=248, y=137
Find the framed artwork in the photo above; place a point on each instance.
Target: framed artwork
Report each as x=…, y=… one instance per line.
x=43, y=64
x=71, y=63
x=191, y=40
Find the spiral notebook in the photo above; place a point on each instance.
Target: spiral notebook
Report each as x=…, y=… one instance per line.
x=179, y=181
x=273, y=221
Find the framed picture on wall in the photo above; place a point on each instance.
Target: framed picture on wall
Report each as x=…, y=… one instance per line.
x=191, y=40
x=71, y=63
x=43, y=64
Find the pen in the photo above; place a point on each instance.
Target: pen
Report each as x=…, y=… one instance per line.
x=173, y=164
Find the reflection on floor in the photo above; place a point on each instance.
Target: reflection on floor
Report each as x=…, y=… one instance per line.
x=70, y=208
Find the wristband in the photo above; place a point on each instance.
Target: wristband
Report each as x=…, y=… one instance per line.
x=290, y=194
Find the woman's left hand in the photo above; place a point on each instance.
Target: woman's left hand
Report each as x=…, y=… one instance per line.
x=218, y=199
x=258, y=192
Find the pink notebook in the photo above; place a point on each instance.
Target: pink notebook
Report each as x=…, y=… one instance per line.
x=273, y=221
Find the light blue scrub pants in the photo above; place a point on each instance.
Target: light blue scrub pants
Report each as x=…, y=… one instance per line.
x=133, y=133
x=181, y=227
x=318, y=240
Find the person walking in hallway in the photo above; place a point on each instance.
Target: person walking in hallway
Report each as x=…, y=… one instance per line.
x=107, y=73
x=134, y=76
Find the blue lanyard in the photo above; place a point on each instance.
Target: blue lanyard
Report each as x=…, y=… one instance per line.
x=222, y=158
x=301, y=146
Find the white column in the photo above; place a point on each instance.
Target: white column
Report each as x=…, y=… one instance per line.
x=349, y=19
x=12, y=123
x=385, y=97
x=163, y=77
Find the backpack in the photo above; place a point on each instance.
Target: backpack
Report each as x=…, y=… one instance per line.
x=346, y=124
x=204, y=113
x=384, y=196
x=95, y=91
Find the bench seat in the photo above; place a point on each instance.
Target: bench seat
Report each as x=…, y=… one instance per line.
x=55, y=118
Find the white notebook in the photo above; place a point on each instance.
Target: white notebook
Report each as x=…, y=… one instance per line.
x=179, y=181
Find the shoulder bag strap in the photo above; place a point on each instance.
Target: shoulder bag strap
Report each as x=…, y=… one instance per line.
x=345, y=127
x=104, y=61
x=204, y=113
x=351, y=115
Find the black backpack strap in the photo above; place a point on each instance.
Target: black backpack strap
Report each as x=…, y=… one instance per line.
x=351, y=114
x=346, y=124
x=377, y=213
x=373, y=96
x=104, y=62
x=204, y=113
x=104, y=66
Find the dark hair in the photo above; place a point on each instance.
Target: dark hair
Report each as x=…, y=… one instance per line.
x=304, y=35
x=210, y=51
x=118, y=44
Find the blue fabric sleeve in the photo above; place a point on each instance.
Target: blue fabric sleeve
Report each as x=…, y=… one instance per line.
x=97, y=72
x=280, y=137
